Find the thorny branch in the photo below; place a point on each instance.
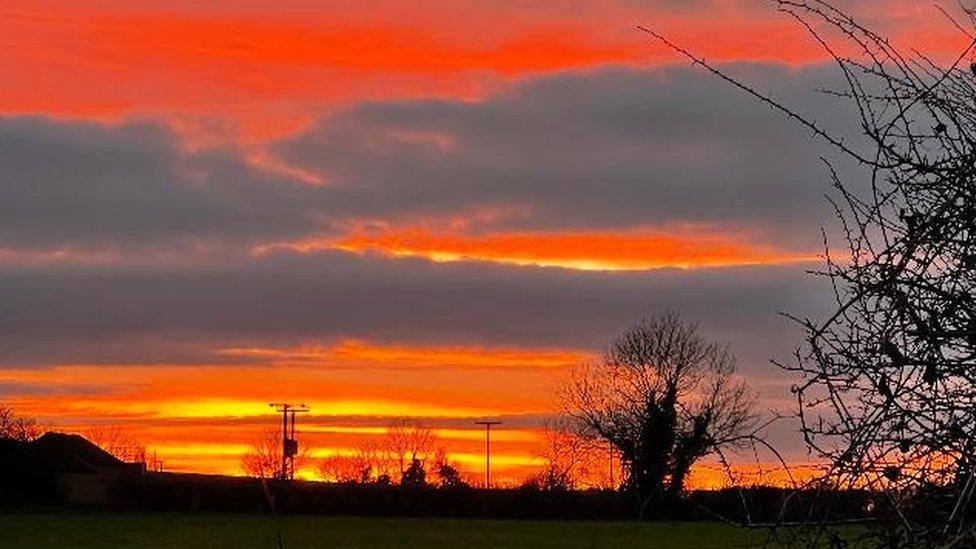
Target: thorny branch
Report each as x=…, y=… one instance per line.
x=886, y=396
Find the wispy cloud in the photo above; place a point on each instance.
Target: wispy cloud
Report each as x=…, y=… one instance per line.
x=626, y=250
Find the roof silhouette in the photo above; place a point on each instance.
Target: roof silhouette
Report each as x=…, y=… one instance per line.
x=64, y=452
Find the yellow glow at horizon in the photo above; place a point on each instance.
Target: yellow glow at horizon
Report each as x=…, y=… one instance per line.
x=218, y=408
x=500, y=435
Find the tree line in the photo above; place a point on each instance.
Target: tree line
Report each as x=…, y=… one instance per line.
x=661, y=398
x=407, y=454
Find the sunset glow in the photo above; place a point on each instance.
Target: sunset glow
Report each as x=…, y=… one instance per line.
x=339, y=382
x=624, y=251
x=386, y=209
x=254, y=73
x=362, y=353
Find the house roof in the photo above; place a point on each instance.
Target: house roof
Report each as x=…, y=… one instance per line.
x=64, y=452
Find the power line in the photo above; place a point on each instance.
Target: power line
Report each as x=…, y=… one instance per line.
x=289, y=444
x=488, y=424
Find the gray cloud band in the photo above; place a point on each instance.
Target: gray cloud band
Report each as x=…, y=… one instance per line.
x=601, y=150
x=610, y=149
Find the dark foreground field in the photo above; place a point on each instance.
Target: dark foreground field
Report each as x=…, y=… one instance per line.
x=80, y=531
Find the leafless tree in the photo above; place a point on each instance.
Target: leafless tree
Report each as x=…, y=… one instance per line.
x=263, y=460
x=887, y=390
x=118, y=442
x=376, y=462
x=17, y=427
x=405, y=446
x=345, y=469
x=406, y=441
x=570, y=459
x=664, y=397
x=447, y=473
x=372, y=462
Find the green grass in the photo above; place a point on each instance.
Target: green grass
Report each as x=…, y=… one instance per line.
x=82, y=531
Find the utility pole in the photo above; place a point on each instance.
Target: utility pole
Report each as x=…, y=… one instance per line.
x=289, y=444
x=488, y=424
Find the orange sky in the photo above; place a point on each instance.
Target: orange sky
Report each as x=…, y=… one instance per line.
x=239, y=76
x=255, y=70
x=201, y=417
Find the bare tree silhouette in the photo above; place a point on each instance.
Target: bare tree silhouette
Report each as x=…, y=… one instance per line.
x=347, y=469
x=407, y=442
x=570, y=459
x=887, y=390
x=17, y=427
x=408, y=453
x=663, y=397
x=263, y=460
x=121, y=444
x=447, y=473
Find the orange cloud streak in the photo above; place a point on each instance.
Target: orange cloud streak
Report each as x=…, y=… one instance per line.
x=218, y=76
x=356, y=352
x=265, y=70
x=633, y=250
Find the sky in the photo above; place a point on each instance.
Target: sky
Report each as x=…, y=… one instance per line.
x=429, y=209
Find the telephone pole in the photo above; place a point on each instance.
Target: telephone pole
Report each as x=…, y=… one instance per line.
x=289, y=444
x=488, y=424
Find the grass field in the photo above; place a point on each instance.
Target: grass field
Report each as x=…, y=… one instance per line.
x=80, y=531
